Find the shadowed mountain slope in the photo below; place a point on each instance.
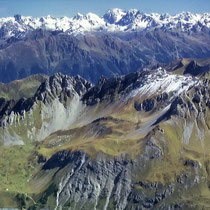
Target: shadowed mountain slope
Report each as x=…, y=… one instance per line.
x=95, y=54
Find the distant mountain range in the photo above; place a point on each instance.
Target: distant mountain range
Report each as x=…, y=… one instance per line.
x=114, y=20
x=118, y=43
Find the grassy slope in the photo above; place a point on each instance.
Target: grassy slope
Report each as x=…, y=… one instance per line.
x=21, y=88
x=17, y=166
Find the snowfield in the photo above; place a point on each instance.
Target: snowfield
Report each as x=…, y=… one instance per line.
x=161, y=81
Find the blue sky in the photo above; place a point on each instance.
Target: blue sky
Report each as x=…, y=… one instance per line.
x=69, y=8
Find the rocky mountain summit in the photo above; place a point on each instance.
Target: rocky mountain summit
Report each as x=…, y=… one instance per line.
x=52, y=96
x=139, y=141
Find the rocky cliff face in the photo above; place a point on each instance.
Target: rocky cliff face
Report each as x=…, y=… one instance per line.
x=118, y=183
x=56, y=100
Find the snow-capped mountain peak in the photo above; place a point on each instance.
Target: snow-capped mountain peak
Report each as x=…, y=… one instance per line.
x=114, y=20
x=114, y=15
x=78, y=16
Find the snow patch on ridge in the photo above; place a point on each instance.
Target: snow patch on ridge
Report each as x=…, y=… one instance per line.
x=160, y=81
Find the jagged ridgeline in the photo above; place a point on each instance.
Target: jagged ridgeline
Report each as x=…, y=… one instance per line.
x=139, y=141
